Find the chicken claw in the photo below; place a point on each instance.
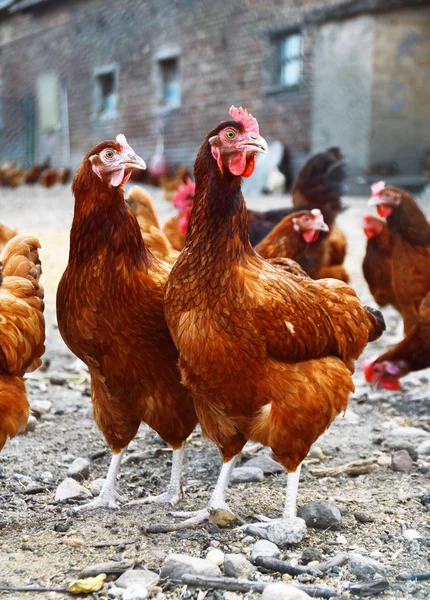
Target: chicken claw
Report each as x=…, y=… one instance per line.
x=103, y=501
x=174, y=491
x=165, y=498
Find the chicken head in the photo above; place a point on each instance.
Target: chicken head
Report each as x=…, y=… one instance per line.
x=114, y=161
x=385, y=374
x=237, y=142
x=385, y=199
x=309, y=224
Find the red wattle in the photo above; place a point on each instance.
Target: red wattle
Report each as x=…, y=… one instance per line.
x=310, y=236
x=250, y=166
x=384, y=210
x=237, y=163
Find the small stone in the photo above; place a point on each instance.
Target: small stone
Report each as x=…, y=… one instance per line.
x=283, y=591
x=40, y=407
x=216, y=556
x=135, y=592
x=96, y=486
x=57, y=379
x=220, y=517
x=115, y=592
x=79, y=469
x=62, y=527
x=310, y=555
x=362, y=517
x=384, y=460
x=364, y=567
x=246, y=474
x=341, y=539
x=266, y=464
x=376, y=554
x=403, y=444
x=176, y=565
x=137, y=577
x=31, y=424
x=321, y=514
x=402, y=461
x=316, y=452
x=424, y=448
x=425, y=499
x=236, y=565
x=265, y=548
x=285, y=533
x=69, y=489
x=67, y=458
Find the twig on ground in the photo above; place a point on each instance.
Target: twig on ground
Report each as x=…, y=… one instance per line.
x=357, y=467
x=414, y=577
x=232, y=584
x=114, y=543
x=280, y=566
x=369, y=588
x=108, y=568
x=35, y=589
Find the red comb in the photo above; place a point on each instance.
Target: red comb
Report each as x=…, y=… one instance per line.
x=244, y=118
x=377, y=188
x=184, y=195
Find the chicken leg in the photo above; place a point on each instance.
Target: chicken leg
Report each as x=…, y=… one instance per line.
x=108, y=497
x=174, y=491
x=193, y=518
x=288, y=530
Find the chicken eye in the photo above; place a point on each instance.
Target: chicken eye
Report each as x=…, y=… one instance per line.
x=109, y=154
x=230, y=134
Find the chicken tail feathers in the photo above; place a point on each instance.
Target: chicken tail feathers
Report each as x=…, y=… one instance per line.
x=20, y=258
x=377, y=321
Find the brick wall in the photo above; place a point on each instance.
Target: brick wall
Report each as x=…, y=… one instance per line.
x=226, y=57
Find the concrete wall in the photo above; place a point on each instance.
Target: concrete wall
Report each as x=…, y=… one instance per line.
x=341, y=107
x=401, y=90
x=226, y=57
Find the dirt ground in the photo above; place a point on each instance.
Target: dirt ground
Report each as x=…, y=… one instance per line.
x=33, y=550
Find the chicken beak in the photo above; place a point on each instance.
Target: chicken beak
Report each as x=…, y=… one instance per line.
x=321, y=226
x=134, y=162
x=256, y=143
x=374, y=201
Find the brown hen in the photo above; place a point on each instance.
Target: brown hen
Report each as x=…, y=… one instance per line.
x=268, y=355
x=110, y=314
x=23, y=330
x=410, y=240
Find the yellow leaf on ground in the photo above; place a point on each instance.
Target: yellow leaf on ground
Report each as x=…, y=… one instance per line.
x=87, y=586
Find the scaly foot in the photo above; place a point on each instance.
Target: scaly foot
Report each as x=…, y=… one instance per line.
x=111, y=501
x=165, y=498
x=282, y=532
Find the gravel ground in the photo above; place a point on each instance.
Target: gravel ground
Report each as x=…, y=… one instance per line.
x=42, y=543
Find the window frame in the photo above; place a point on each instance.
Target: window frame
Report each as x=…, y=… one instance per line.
x=278, y=39
x=164, y=55
x=98, y=72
